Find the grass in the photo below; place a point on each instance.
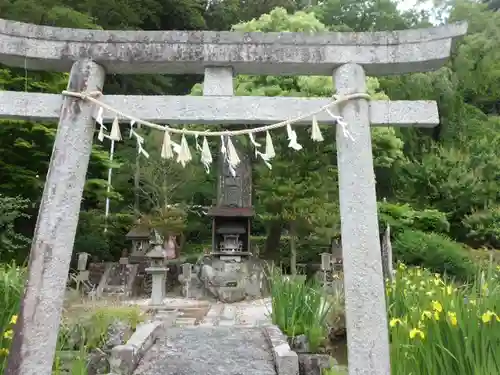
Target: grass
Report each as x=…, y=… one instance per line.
x=299, y=308
x=332, y=371
x=82, y=329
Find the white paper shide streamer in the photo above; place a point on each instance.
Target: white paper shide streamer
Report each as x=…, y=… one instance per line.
x=229, y=154
x=228, y=150
x=139, y=139
x=206, y=155
x=340, y=122
x=184, y=155
x=166, y=147
x=292, y=137
x=232, y=155
x=115, y=134
x=269, y=147
x=258, y=153
x=99, y=119
x=140, y=148
x=316, y=135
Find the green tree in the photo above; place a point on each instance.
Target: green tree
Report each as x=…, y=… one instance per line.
x=367, y=15
x=306, y=200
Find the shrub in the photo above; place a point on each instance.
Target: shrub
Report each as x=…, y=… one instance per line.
x=437, y=327
x=402, y=217
x=433, y=251
x=308, y=250
x=484, y=228
x=11, y=209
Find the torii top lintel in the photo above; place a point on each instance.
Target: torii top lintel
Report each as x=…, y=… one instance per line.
x=187, y=52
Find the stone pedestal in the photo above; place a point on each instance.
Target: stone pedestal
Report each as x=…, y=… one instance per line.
x=159, y=277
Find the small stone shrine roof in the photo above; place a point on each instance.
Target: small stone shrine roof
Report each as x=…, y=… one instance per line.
x=138, y=232
x=231, y=211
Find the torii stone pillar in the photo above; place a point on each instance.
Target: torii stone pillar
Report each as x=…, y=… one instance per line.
x=37, y=328
x=363, y=278
x=348, y=55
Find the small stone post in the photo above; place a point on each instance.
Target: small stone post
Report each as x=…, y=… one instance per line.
x=158, y=272
x=326, y=259
x=83, y=274
x=124, y=273
x=186, y=277
x=366, y=315
x=35, y=334
x=387, y=254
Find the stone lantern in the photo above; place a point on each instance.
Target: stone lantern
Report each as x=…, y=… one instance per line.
x=158, y=271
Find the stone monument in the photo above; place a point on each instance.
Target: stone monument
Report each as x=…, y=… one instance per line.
x=91, y=54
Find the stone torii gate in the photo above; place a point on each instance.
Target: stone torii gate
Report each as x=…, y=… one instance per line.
x=91, y=54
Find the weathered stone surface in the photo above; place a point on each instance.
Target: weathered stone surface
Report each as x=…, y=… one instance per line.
x=285, y=360
x=35, y=338
x=184, y=52
x=315, y=364
x=209, y=351
x=231, y=190
x=124, y=358
x=218, y=110
x=228, y=312
x=98, y=363
x=215, y=274
x=118, y=333
x=299, y=344
x=366, y=314
x=185, y=322
x=235, y=191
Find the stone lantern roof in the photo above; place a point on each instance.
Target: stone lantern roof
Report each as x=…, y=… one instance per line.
x=156, y=253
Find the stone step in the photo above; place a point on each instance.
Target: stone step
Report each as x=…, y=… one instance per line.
x=114, y=294
x=113, y=290
x=226, y=323
x=182, y=322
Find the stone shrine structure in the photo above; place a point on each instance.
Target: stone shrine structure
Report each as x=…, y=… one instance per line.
x=140, y=238
x=91, y=54
x=230, y=272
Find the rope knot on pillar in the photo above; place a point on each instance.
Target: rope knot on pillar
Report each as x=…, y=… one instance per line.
x=84, y=95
